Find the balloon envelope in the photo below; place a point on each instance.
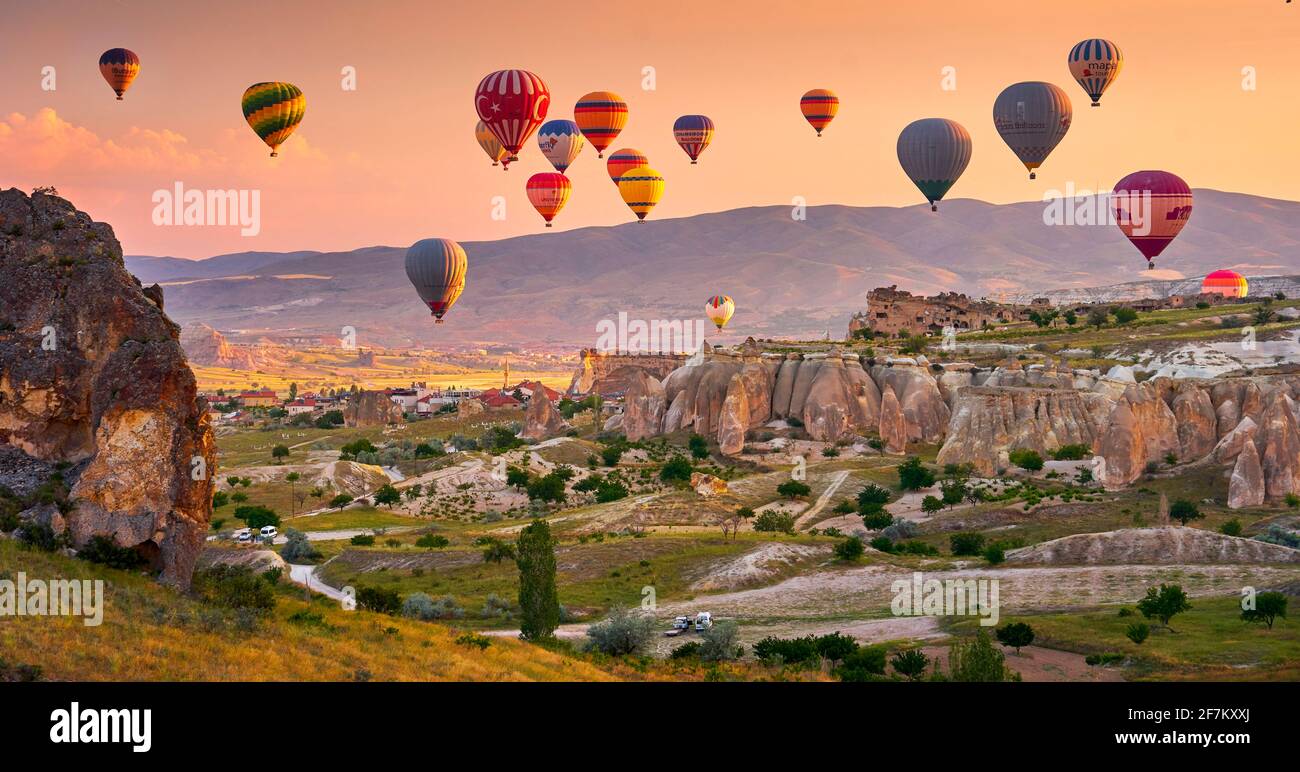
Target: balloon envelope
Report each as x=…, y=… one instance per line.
x=623, y=159
x=436, y=268
x=513, y=103
x=693, y=133
x=119, y=66
x=601, y=115
x=489, y=142
x=548, y=192
x=274, y=109
x=933, y=153
x=1095, y=64
x=1032, y=118
x=561, y=141
x=719, y=309
x=641, y=188
x=819, y=107
x=1151, y=208
x=1227, y=283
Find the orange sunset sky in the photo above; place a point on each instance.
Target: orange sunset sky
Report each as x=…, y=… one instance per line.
x=395, y=160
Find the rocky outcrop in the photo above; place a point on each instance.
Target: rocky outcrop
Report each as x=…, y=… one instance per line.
x=1279, y=441
x=1197, y=421
x=988, y=423
x=205, y=346
x=606, y=373
x=893, y=425
x=1173, y=545
x=644, y=403
x=92, y=373
x=1140, y=430
x=1232, y=443
x=542, y=421
x=841, y=398
x=707, y=485
x=470, y=407
x=1246, y=487
x=371, y=408
x=925, y=411
x=258, y=561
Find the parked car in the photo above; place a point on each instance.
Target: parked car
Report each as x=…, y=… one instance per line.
x=268, y=532
x=243, y=534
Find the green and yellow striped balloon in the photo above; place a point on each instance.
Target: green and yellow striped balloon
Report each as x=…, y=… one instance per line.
x=274, y=110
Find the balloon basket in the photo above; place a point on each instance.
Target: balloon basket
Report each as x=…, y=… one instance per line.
x=548, y=225
x=1096, y=104
x=1033, y=176
x=934, y=207
x=693, y=163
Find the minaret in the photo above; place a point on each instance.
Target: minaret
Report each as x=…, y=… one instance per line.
x=505, y=379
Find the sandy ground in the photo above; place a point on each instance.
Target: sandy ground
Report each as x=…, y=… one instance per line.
x=1036, y=664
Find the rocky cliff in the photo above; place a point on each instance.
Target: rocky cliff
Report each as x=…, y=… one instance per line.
x=371, y=408
x=542, y=421
x=203, y=345
x=92, y=374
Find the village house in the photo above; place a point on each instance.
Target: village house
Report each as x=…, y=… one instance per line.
x=300, y=406
x=261, y=398
x=891, y=312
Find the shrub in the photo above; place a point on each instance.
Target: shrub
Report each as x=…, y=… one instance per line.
x=678, y=468
x=994, y=554
x=910, y=664
x=1292, y=500
x=256, y=516
x=967, y=543
x=874, y=521
x=383, y=600
x=621, y=633
x=1231, y=528
x=41, y=536
x=340, y=501
x=1137, y=632
x=1268, y=606
x=1015, y=635
x=900, y=530
x=1072, y=453
x=791, y=651
x=849, y=550
x=872, y=498
x=866, y=663
x=495, y=551
x=234, y=587
x=793, y=489
x=689, y=650
x=548, y=488
x=931, y=504
x=1026, y=459
x=882, y=544
x=912, y=475
x=610, y=491
x=220, y=499
x=978, y=660
x=363, y=540
x=1184, y=511
x=774, y=521
x=103, y=550
x=473, y=640
x=719, y=642
x=699, y=447
x=297, y=548
x=1125, y=315
x=432, y=541
x=844, y=507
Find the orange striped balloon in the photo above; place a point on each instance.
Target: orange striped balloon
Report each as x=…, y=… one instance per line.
x=819, y=107
x=601, y=115
x=548, y=192
x=119, y=66
x=1227, y=283
x=624, y=159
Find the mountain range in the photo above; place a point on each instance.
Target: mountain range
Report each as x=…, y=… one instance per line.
x=790, y=276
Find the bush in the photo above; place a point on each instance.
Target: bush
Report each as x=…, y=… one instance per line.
x=689, y=650
x=1072, y=453
x=297, y=548
x=872, y=498
x=910, y=664
x=1015, y=635
x=1137, y=632
x=774, y=521
x=967, y=543
x=977, y=660
x=621, y=633
x=610, y=491
x=363, y=540
x=882, y=544
x=994, y=554
x=432, y=541
x=1125, y=315
x=256, y=516
x=699, y=447
x=234, y=587
x=419, y=605
x=866, y=663
x=103, y=550
x=495, y=551
x=340, y=501
x=790, y=651
x=1026, y=459
x=1184, y=511
x=220, y=499
x=1231, y=528
x=849, y=550
x=548, y=488
x=913, y=476
x=678, y=468
x=382, y=600
x=719, y=642
x=931, y=504
x=900, y=530
x=471, y=639
x=793, y=489
x=41, y=536
x=874, y=521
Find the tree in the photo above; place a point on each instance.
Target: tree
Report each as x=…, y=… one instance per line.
x=495, y=551
x=874, y=521
x=293, y=391
x=611, y=454
x=931, y=504
x=677, y=468
x=978, y=660
x=793, y=489
x=610, y=490
x=340, y=501
x=296, y=547
x=1029, y=460
x=256, y=516
x=1125, y=315
x=1184, y=511
x=1098, y=317
x=413, y=492
x=279, y=452
x=877, y=444
x=699, y=447
x=910, y=664
x=774, y=521
x=913, y=476
x=539, y=602
x=517, y=478
x=966, y=543
x=953, y=492
x=1268, y=606
x=872, y=498
x=388, y=495
x=1164, y=603
x=1071, y=318
x=849, y=550
x=292, y=478
x=1015, y=635
x=547, y=488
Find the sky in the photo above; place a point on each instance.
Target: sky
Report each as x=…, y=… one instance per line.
x=1209, y=91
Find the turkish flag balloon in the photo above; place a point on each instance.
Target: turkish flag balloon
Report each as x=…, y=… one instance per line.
x=513, y=103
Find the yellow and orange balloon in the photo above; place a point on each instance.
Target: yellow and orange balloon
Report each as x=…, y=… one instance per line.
x=274, y=109
x=490, y=144
x=1227, y=283
x=719, y=309
x=819, y=107
x=641, y=188
x=119, y=66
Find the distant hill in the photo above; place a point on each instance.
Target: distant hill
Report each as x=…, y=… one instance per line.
x=789, y=277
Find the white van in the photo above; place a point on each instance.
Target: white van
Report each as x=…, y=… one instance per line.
x=269, y=532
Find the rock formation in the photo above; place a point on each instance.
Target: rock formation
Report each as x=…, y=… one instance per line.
x=1279, y=440
x=707, y=484
x=205, y=346
x=644, y=403
x=1173, y=545
x=1140, y=430
x=469, y=407
x=92, y=373
x=1246, y=487
x=542, y=421
x=371, y=408
x=988, y=423
x=893, y=426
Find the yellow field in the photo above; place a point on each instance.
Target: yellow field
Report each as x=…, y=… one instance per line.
x=210, y=379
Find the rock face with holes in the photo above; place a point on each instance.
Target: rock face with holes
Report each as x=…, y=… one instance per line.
x=92, y=374
x=542, y=421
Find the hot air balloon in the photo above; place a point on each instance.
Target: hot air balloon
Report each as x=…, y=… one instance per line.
x=693, y=133
x=1095, y=63
x=601, y=115
x=548, y=191
x=437, y=269
x=489, y=142
x=1227, y=283
x=719, y=309
x=1151, y=208
x=119, y=66
x=274, y=110
x=934, y=152
x=641, y=188
x=560, y=142
x=819, y=107
x=513, y=103
x=1032, y=118
x=622, y=160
